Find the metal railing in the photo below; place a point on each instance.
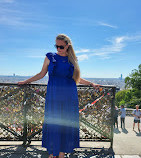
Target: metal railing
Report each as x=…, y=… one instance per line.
x=22, y=112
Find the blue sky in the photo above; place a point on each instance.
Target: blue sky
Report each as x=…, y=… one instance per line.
x=106, y=35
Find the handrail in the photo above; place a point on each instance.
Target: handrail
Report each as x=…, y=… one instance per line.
x=37, y=84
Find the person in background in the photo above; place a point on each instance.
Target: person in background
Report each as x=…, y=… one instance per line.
x=116, y=116
x=122, y=116
x=137, y=115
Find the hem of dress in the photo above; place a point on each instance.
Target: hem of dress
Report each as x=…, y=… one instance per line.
x=71, y=151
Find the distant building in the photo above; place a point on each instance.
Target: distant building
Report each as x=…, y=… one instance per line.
x=14, y=75
x=121, y=77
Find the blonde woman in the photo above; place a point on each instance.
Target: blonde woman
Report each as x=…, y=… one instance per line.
x=60, y=132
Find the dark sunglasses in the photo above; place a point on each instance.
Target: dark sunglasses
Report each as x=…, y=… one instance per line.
x=61, y=47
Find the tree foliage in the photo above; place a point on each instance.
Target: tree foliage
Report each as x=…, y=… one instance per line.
x=134, y=79
x=123, y=97
x=131, y=96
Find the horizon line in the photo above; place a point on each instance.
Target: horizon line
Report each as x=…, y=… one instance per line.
x=47, y=76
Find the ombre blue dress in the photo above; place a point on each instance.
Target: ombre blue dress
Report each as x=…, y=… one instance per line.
x=60, y=131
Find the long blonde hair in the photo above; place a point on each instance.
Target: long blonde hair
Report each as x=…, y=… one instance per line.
x=71, y=56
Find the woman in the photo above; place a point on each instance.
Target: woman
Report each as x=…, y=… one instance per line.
x=60, y=132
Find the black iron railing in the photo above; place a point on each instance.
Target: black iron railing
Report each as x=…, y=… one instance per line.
x=22, y=112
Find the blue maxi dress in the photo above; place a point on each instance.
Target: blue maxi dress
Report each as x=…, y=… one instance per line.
x=60, y=131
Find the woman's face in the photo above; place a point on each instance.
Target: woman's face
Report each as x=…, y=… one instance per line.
x=61, y=43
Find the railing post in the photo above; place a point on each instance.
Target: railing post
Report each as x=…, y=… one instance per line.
x=112, y=114
x=24, y=116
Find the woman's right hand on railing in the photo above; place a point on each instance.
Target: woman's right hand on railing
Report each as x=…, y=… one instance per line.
x=21, y=82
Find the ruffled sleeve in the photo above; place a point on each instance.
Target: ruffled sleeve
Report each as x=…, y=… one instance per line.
x=49, y=55
x=52, y=65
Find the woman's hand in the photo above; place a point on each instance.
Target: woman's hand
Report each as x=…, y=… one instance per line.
x=95, y=85
x=21, y=83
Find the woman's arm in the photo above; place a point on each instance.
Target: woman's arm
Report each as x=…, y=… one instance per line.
x=40, y=75
x=86, y=82
x=83, y=81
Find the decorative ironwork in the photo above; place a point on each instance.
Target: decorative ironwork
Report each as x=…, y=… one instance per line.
x=22, y=112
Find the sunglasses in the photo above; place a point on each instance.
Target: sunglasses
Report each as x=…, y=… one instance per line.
x=61, y=47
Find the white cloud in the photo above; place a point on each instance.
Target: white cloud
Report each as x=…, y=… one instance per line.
x=21, y=22
x=119, y=39
x=7, y=1
x=106, y=24
x=12, y=16
x=134, y=38
x=82, y=21
x=82, y=51
x=82, y=57
x=117, y=45
x=13, y=21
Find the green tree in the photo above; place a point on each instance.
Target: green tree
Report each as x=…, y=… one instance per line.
x=123, y=97
x=134, y=79
x=133, y=82
x=131, y=96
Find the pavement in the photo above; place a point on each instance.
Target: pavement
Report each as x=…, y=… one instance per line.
x=127, y=144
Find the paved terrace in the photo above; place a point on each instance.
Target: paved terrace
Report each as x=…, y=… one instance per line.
x=127, y=144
